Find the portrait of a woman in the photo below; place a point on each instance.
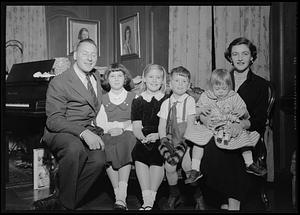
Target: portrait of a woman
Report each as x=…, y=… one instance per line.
x=127, y=44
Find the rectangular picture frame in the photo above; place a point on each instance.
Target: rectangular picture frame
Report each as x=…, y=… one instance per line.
x=78, y=29
x=130, y=37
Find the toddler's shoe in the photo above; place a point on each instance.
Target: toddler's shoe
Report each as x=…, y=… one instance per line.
x=256, y=170
x=194, y=176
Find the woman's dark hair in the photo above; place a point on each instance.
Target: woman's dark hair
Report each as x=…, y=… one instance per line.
x=128, y=83
x=239, y=41
x=80, y=32
x=127, y=28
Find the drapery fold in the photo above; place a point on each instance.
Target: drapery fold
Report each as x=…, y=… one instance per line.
x=190, y=37
x=27, y=24
x=251, y=22
x=190, y=43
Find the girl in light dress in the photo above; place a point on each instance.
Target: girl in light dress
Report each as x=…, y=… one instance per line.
x=115, y=119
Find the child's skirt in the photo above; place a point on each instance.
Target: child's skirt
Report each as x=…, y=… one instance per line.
x=246, y=138
x=118, y=148
x=198, y=134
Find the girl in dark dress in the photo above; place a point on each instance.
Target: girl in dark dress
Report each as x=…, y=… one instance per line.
x=224, y=169
x=148, y=161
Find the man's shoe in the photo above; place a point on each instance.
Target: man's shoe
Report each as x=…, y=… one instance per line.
x=50, y=203
x=256, y=170
x=194, y=176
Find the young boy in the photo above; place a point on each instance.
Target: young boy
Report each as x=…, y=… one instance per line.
x=174, y=114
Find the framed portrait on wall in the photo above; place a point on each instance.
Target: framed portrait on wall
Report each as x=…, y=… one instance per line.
x=78, y=29
x=130, y=36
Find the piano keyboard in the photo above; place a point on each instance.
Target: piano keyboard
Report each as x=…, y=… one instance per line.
x=17, y=105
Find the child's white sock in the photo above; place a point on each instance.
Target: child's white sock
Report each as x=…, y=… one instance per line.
x=116, y=191
x=195, y=164
x=153, y=196
x=147, y=198
x=247, y=155
x=123, y=190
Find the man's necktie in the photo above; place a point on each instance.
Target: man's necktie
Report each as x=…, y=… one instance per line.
x=91, y=89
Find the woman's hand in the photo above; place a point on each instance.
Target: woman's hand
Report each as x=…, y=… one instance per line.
x=235, y=129
x=205, y=110
x=239, y=112
x=115, y=131
x=207, y=122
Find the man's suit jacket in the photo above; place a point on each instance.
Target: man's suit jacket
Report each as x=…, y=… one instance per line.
x=69, y=105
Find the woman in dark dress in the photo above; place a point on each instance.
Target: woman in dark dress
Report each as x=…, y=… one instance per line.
x=224, y=170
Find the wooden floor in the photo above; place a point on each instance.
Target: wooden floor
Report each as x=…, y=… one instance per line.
x=21, y=197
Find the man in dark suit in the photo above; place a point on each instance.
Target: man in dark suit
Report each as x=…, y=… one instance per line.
x=73, y=100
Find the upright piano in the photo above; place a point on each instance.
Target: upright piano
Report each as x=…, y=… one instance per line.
x=25, y=99
x=24, y=112
x=25, y=94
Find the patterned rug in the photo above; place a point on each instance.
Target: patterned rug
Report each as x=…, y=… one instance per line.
x=19, y=173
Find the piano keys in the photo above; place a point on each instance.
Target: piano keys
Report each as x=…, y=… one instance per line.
x=30, y=97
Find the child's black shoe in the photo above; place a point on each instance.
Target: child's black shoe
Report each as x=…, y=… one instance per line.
x=194, y=176
x=256, y=170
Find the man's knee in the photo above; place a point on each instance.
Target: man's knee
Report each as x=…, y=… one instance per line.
x=67, y=145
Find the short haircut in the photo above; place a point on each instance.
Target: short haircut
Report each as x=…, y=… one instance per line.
x=220, y=77
x=180, y=70
x=239, y=41
x=87, y=40
x=128, y=83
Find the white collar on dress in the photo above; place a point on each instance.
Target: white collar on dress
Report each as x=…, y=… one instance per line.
x=146, y=96
x=117, y=99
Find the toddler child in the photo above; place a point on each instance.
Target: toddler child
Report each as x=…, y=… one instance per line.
x=223, y=106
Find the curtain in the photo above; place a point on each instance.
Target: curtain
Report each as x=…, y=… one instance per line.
x=190, y=34
x=26, y=24
x=252, y=22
